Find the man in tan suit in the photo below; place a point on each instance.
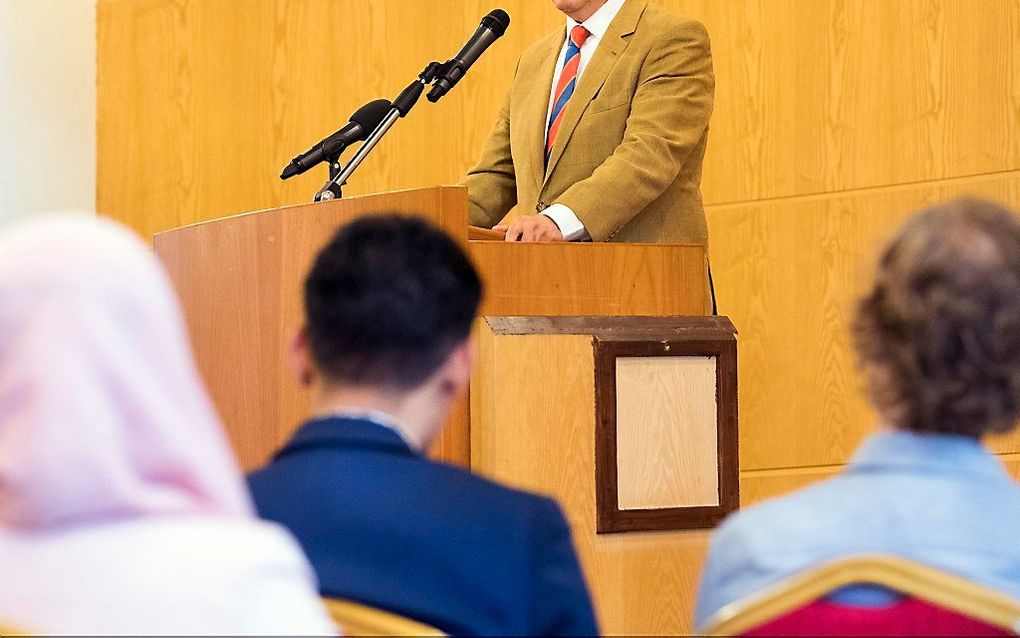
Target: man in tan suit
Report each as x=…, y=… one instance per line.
x=603, y=132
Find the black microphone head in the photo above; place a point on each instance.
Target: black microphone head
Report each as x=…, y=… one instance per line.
x=498, y=21
x=371, y=115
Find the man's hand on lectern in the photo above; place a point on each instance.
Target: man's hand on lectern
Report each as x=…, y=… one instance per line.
x=532, y=228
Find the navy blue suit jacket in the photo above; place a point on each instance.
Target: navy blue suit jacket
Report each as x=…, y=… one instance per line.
x=386, y=527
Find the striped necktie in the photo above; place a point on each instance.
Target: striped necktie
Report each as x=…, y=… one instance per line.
x=566, y=84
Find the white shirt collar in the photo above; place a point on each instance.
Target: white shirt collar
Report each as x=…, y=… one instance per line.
x=599, y=21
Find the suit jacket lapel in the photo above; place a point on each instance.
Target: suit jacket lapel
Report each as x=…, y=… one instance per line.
x=594, y=76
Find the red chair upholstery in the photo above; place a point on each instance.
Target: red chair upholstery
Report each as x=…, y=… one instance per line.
x=907, y=617
x=934, y=603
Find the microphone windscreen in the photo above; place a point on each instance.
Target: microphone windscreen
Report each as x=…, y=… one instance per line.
x=497, y=20
x=371, y=115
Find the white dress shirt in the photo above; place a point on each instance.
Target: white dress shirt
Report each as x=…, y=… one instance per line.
x=597, y=25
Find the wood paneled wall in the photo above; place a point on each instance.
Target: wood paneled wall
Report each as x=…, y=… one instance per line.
x=202, y=102
x=834, y=120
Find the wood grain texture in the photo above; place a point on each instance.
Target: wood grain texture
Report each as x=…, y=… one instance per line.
x=817, y=96
x=239, y=281
x=202, y=102
x=643, y=583
x=619, y=328
x=591, y=279
x=759, y=485
x=814, y=98
x=721, y=346
x=666, y=432
x=787, y=273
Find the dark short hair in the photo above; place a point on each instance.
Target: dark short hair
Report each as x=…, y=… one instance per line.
x=942, y=321
x=387, y=300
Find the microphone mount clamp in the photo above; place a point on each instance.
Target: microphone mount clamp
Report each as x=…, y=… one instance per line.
x=338, y=174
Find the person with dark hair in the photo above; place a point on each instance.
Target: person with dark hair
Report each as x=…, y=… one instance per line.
x=938, y=340
x=389, y=305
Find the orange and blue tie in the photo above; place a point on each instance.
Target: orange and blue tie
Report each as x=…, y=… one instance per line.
x=565, y=86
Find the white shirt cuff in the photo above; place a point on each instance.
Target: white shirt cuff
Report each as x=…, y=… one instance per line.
x=567, y=221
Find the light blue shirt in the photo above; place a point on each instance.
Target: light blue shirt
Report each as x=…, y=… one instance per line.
x=940, y=500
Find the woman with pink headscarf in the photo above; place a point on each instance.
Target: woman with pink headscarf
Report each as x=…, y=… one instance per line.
x=121, y=507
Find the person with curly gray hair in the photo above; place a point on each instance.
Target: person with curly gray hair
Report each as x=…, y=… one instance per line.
x=938, y=341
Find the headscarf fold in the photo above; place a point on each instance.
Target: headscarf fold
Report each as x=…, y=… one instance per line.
x=103, y=415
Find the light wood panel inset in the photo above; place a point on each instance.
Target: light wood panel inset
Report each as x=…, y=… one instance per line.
x=666, y=432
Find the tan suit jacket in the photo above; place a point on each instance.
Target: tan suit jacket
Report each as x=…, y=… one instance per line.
x=628, y=156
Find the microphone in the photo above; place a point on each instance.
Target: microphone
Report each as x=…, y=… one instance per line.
x=492, y=28
x=363, y=122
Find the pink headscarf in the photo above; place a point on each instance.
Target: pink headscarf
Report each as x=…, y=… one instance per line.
x=102, y=413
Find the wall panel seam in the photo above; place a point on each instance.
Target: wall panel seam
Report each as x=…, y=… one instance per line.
x=889, y=188
x=765, y=472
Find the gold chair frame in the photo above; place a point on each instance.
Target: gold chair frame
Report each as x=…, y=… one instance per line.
x=360, y=620
x=901, y=575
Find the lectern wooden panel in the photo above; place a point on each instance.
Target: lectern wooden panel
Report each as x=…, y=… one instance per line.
x=538, y=424
x=591, y=279
x=239, y=280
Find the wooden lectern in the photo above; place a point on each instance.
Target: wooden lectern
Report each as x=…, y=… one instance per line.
x=657, y=397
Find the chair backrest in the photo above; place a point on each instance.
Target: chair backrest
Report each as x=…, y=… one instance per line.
x=354, y=619
x=906, y=617
x=935, y=603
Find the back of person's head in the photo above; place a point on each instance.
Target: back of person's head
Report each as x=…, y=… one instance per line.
x=387, y=301
x=939, y=332
x=102, y=413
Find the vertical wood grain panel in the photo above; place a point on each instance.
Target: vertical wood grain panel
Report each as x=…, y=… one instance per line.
x=642, y=583
x=202, y=102
x=666, y=432
x=815, y=96
x=787, y=274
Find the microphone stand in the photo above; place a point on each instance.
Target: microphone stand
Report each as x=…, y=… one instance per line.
x=330, y=190
x=338, y=174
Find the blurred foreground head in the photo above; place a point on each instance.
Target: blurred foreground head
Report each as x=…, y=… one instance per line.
x=938, y=335
x=389, y=304
x=102, y=413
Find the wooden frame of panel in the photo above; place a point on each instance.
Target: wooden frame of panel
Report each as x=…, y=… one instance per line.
x=611, y=518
